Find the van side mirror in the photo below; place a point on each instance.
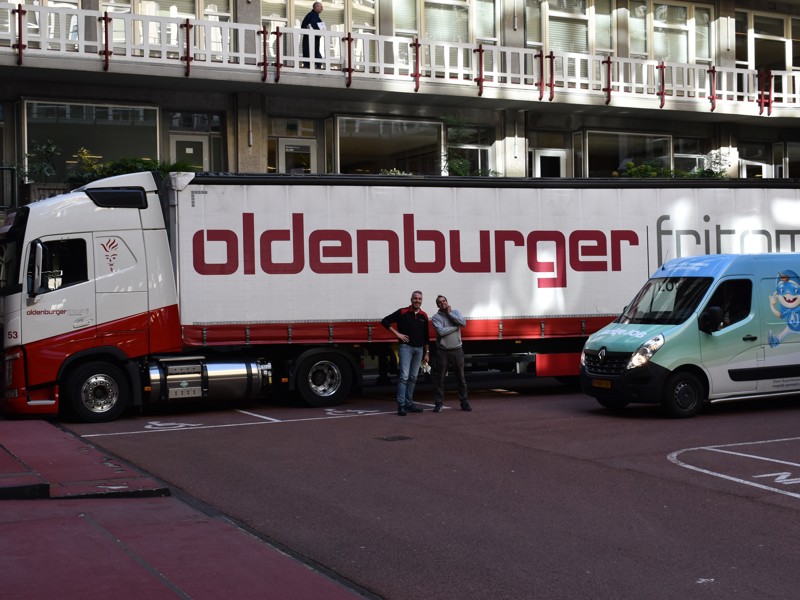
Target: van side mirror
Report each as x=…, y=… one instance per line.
x=710, y=319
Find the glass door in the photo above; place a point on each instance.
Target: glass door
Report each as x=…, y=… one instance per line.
x=297, y=156
x=549, y=163
x=190, y=149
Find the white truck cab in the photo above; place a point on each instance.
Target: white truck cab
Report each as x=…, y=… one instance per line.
x=704, y=328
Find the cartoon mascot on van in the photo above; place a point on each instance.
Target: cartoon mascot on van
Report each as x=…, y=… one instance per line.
x=785, y=303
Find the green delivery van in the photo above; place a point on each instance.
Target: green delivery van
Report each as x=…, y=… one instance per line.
x=704, y=328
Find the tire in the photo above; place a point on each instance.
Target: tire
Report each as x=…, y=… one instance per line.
x=612, y=403
x=324, y=380
x=683, y=396
x=98, y=392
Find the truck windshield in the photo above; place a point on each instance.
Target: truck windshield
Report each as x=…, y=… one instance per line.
x=11, y=235
x=666, y=301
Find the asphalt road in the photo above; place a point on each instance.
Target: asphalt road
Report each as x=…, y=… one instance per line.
x=536, y=494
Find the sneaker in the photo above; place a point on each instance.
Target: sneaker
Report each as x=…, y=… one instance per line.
x=413, y=408
x=437, y=408
x=465, y=406
x=401, y=412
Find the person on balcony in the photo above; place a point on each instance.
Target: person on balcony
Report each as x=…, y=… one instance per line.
x=313, y=21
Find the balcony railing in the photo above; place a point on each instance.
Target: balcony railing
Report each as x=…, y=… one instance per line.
x=242, y=51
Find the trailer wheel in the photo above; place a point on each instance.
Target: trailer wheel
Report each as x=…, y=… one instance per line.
x=683, y=395
x=612, y=403
x=324, y=380
x=98, y=391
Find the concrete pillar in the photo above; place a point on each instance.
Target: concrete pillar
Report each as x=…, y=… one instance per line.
x=249, y=152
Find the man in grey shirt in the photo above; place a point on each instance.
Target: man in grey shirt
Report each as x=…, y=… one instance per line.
x=447, y=322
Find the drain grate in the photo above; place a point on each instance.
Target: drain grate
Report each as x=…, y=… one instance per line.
x=394, y=438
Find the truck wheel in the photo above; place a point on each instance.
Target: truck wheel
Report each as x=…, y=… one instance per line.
x=683, y=395
x=612, y=403
x=324, y=380
x=98, y=392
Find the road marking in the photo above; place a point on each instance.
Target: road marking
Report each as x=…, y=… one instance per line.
x=197, y=427
x=257, y=416
x=782, y=478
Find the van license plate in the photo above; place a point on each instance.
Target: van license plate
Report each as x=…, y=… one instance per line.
x=601, y=383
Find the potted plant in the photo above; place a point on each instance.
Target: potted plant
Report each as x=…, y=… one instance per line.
x=39, y=168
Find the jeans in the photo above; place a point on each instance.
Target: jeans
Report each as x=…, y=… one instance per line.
x=449, y=360
x=407, y=370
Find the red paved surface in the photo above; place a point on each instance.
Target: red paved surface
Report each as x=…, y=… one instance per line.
x=77, y=523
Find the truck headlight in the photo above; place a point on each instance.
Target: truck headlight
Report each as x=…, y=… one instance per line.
x=645, y=352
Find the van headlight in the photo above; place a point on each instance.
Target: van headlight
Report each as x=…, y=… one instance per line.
x=645, y=352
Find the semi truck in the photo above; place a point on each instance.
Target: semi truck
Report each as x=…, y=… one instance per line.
x=142, y=289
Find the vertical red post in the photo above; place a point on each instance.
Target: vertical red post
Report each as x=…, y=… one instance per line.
x=607, y=89
x=106, y=51
x=479, y=78
x=540, y=83
x=19, y=46
x=188, y=57
x=416, y=74
x=551, y=58
x=712, y=82
x=348, y=70
x=264, y=64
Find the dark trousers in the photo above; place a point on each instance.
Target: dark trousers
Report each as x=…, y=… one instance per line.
x=449, y=361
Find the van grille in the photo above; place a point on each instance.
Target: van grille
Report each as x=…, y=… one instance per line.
x=612, y=365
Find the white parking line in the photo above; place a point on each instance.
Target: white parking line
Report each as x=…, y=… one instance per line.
x=257, y=416
x=783, y=478
x=177, y=427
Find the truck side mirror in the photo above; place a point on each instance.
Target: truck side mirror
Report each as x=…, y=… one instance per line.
x=710, y=319
x=34, y=273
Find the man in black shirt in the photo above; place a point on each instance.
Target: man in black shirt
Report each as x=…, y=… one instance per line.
x=312, y=21
x=410, y=326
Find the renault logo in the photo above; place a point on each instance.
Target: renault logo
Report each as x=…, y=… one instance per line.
x=601, y=356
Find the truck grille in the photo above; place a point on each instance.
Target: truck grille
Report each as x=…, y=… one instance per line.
x=612, y=364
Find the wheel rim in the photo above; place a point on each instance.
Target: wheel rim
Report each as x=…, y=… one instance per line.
x=99, y=393
x=324, y=378
x=686, y=396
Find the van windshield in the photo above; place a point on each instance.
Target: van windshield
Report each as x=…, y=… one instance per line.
x=666, y=301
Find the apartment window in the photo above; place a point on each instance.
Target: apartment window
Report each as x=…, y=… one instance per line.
x=689, y=154
x=793, y=160
x=609, y=153
x=274, y=14
x=458, y=21
x=469, y=149
x=568, y=25
x=109, y=132
x=367, y=145
x=581, y=26
x=795, y=44
x=763, y=41
x=670, y=31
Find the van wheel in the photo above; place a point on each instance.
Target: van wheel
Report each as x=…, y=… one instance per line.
x=324, y=380
x=612, y=403
x=683, y=395
x=98, y=391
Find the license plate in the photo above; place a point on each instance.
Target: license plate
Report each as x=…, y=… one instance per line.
x=601, y=383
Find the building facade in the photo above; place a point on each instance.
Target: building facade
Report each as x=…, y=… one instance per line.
x=519, y=88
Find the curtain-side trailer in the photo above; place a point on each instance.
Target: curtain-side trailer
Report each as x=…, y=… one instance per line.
x=137, y=289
